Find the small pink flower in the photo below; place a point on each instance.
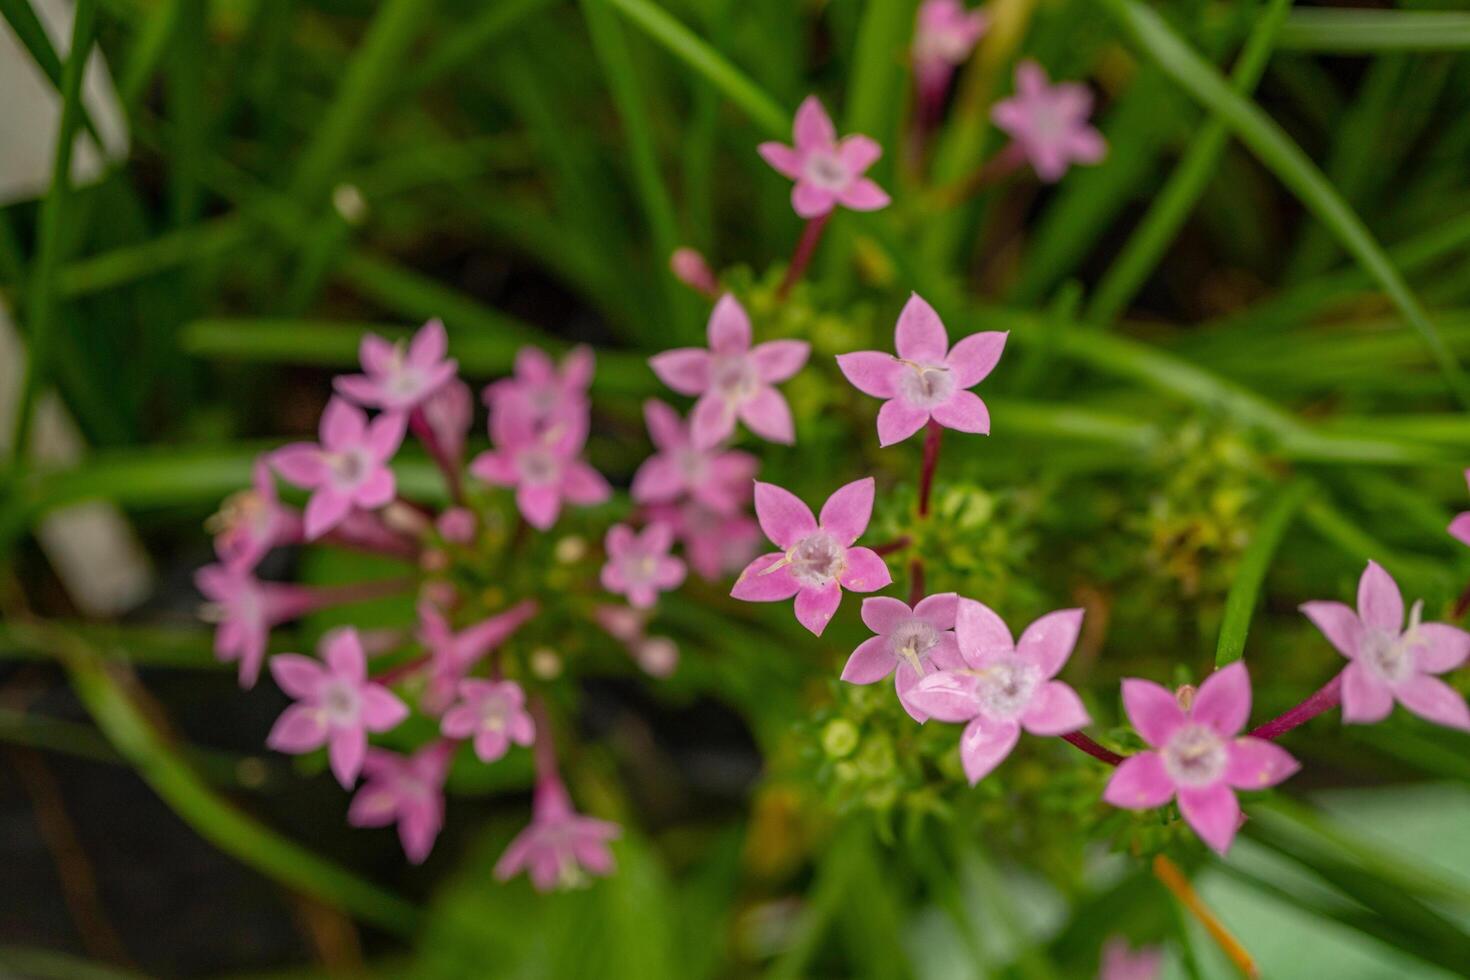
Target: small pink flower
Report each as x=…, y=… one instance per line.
x=453, y=655
x=1460, y=526
x=691, y=268
x=350, y=467
x=457, y=524
x=408, y=790
x=911, y=643
x=547, y=394
x=254, y=521
x=1050, y=122
x=944, y=35
x=928, y=379
x=450, y=414
x=828, y=172
x=734, y=380
x=658, y=656
x=817, y=560
x=1122, y=962
x=399, y=378
x=560, y=847
x=1389, y=663
x=246, y=610
x=719, y=480
x=1004, y=686
x=715, y=544
x=541, y=463
x=1198, y=754
x=336, y=705
x=639, y=565
x=494, y=714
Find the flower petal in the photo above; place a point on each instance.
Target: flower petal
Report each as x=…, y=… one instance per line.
x=767, y=415
x=729, y=327
x=866, y=571
x=813, y=128
x=345, y=750
x=782, y=515
x=1049, y=640
x=382, y=711
x=1434, y=700
x=919, y=335
x=1256, y=764
x=343, y=425
x=1439, y=647
x=870, y=662
x=964, y=412
x=1338, y=622
x=863, y=195
x=712, y=421
x=975, y=356
x=785, y=160
x=872, y=372
x=757, y=584
x=684, y=369
x=1213, y=812
x=539, y=504
x=657, y=480
x=1366, y=700
x=897, y=420
x=984, y=744
x=1380, y=603
x=847, y=512
x=777, y=360
x=1140, y=783
x=300, y=677
x=938, y=610
x=858, y=152
x=947, y=695
x=300, y=463
x=883, y=614
x=1152, y=709
x=581, y=484
x=325, y=510
x=1055, y=710
x=815, y=606
x=300, y=728
x=981, y=632
x=1224, y=700
x=1460, y=527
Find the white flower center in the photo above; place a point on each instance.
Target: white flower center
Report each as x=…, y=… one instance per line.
x=734, y=376
x=494, y=714
x=341, y=702
x=911, y=642
x=692, y=465
x=1390, y=655
x=817, y=559
x=1007, y=685
x=349, y=468
x=538, y=465
x=926, y=385
x=825, y=170
x=1195, y=756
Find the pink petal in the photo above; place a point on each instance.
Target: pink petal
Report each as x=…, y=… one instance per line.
x=300, y=677
x=729, y=327
x=858, y=152
x=1460, y=527
x=1439, y=647
x=785, y=160
x=1086, y=145
x=539, y=505
x=755, y=584
x=777, y=360
x=374, y=805
x=815, y=606
x=1338, y=622
x=1224, y=700
x=872, y=372
x=938, y=610
x=920, y=334
x=1213, y=812
x=1031, y=78
x=864, y=195
x=619, y=540
x=300, y=728
x=581, y=484
x=712, y=421
x=300, y=463
x=1256, y=764
x=385, y=435
x=417, y=832
x=342, y=650
x=866, y=571
x=429, y=345
x=324, y=511
x=534, y=365
x=782, y=515
x=904, y=681
x=378, y=490
x=767, y=415
x=985, y=745
x=382, y=711
x=1366, y=699
x=657, y=480
x=813, y=129
x=578, y=367
x=964, y=412
x=981, y=632
x=1055, y=710
x=883, y=614
x=376, y=354
x=1379, y=602
x=974, y=357
x=1434, y=700
x=359, y=388
x=665, y=427
x=669, y=573
x=946, y=695
x=460, y=721
x=847, y=512
x=1049, y=640
x=870, y=662
x=343, y=425
x=897, y=420
x=810, y=201
x=1140, y=783
x=345, y=749
x=684, y=369
x=491, y=746
x=1153, y=710
x=495, y=468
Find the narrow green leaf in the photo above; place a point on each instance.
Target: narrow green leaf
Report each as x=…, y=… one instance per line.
x=1344, y=31
x=468, y=41
x=1250, y=575
x=148, y=51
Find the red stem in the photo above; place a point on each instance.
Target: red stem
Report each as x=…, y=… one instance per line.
x=395, y=674
x=993, y=171
x=1087, y=745
x=449, y=467
x=897, y=544
x=932, y=434
x=1325, y=699
x=544, y=746
x=806, y=247
x=1462, y=604
x=916, y=581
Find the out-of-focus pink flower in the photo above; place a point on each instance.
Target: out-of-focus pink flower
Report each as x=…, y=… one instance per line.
x=690, y=268
x=547, y=395
x=336, y=705
x=399, y=378
x=1004, y=686
x=944, y=35
x=1198, y=754
x=657, y=655
x=457, y=524
x=1389, y=662
x=928, y=379
x=348, y=469
x=715, y=544
x=1121, y=962
x=828, y=172
x=449, y=414
x=408, y=790
x=639, y=565
x=719, y=480
x=493, y=713
x=911, y=643
x=453, y=655
x=733, y=380
x=1460, y=526
x=560, y=847
x=245, y=610
x=1050, y=122
x=817, y=559
x=254, y=521
x=542, y=464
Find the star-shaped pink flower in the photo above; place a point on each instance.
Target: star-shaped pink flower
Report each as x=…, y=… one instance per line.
x=639, y=565
x=817, y=559
x=453, y=655
x=828, y=172
x=1198, y=756
x=408, y=790
x=254, y=521
x=543, y=464
x=1388, y=662
x=348, y=469
x=911, y=643
x=1004, y=686
x=560, y=847
x=1050, y=122
x=1460, y=526
x=245, y=610
x=928, y=379
x=399, y=378
x=718, y=479
x=494, y=714
x=336, y=705
x=733, y=380
x=546, y=393
x=944, y=35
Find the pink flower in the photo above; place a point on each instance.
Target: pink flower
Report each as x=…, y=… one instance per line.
x=733, y=380
x=246, y=610
x=910, y=644
x=336, y=705
x=398, y=378
x=494, y=714
x=449, y=414
x=639, y=565
x=719, y=480
x=1004, y=686
x=928, y=379
x=944, y=35
x=457, y=524
x=1121, y=962
x=817, y=560
x=1049, y=122
x=254, y=521
x=408, y=789
x=1389, y=663
x=560, y=847
x=715, y=544
x=541, y=463
x=1199, y=755
x=1460, y=526
x=350, y=467
x=546, y=393
x=828, y=172
x=658, y=656
x=453, y=655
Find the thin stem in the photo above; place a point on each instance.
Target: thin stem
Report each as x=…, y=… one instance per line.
x=544, y=746
x=1325, y=699
x=806, y=247
x=1093, y=749
x=916, y=581
x=1174, y=879
x=932, y=434
x=449, y=467
x=1005, y=163
x=316, y=598
x=897, y=544
x=1462, y=604
x=405, y=669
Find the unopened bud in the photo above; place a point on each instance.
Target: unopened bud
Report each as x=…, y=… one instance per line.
x=690, y=268
x=1185, y=696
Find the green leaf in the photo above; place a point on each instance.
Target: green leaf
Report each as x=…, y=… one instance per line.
x=1343, y=31
x=1250, y=575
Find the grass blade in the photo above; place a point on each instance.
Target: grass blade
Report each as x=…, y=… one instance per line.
x=1342, y=31
x=1240, y=604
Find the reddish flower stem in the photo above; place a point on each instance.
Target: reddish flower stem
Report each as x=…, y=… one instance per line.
x=1325, y=699
x=806, y=247
x=544, y=747
x=1093, y=749
x=897, y=544
x=1462, y=604
x=405, y=669
x=993, y=171
x=932, y=434
x=916, y=581
x=420, y=427
x=327, y=596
